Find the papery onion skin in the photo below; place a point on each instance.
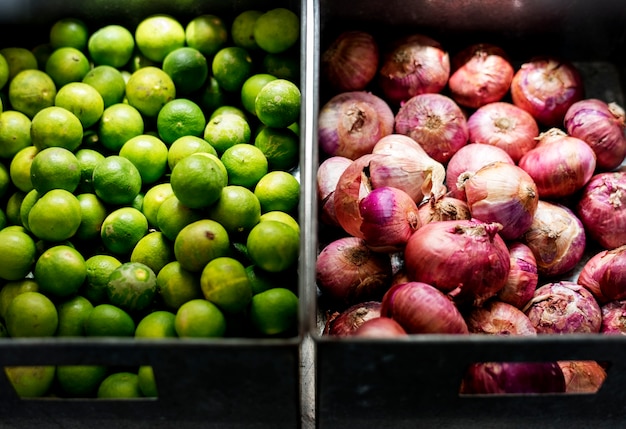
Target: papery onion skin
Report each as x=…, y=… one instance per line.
x=503, y=193
x=436, y=122
x=564, y=308
x=504, y=125
x=591, y=274
x=422, y=309
x=560, y=165
x=444, y=208
x=415, y=64
x=557, y=239
x=380, y=327
x=348, y=272
x=499, y=318
x=347, y=321
x=613, y=279
x=390, y=217
x=328, y=174
x=601, y=126
x=602, y=208
x=523, y=276
x=350, y=123
x=546, y=87
x=614, y=318
x=465, y=258
x=471, y=157
x=582, y=376
x=481, y=73
x=513, y=377
x=350, y=62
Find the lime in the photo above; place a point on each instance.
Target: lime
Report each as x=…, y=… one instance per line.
x=83, y=100
x=154, y=250
x=273, y=246
x=158, y=35
x=284, y=65
x=251, y=88
x=281, y=147
x=185, y=146
x=55, y=216
x=4, y=72
x=278, y=103
x=87, y=160
x=13, y=211
x=152, y=200
x=107, y=320
x=116, y=180
x=200, y=318
x=147, y=382
x=274, y=312
x=109, y=82
x=231, y=66
x=30, y=91
x=30, y=381
x=242, y=29
x=67, y=64
x=188, y=69
x=60, y=271
x=158, y=324
x=11, y=289
x=173, y=216
x=122, y=229
x=18, y=59
x=277, y=30
x=27, y=204
x=179, y=118
x=237, y=209
x=72, y=315
x=119, y=123
x=207, y=33
x=93, y=213
x=17, y=254
x=111, y=45
x=148, y=89
x=245, y=164
x=278, y=190
x=228, y=109
x=132, y=286
x=14, y=133
x=283, y=217
x=198, y=179
x=72, y=32
x=99, y=268
x=55, y=168
x=120, y=385
x=56, y=126
x=225, y=283
x=176, y=285
x=200, y=242
x=31, y=314
x=148, y=154
x=80, y=381
x=226, y=130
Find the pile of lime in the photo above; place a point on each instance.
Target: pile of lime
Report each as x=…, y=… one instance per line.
x=149, y=187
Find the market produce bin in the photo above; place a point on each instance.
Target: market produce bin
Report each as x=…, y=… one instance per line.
x=247, y=382
x=414, y=382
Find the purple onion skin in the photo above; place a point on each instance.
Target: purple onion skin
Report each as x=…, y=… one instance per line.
x=591, y=274
x=582, y=376
x=564, y=308
x=602, y=208
x=601, y=126
x=499, y=318
x=436, y=122
x=513, y=377
x=523, y=276
x=380, y=327
x=614, y=318
x=613, y=280
x=422, y=309
x=347, y=322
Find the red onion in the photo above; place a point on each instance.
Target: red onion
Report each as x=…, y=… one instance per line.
x=350, y=62
x=582, y=376
x=443, y=208
x=347, y=271
x=351, y=123
x=564, y=308
x=471, y=157
x=422, y=309
x=389, y=218
x=591, y=273
x=346, y=322
x=614, y=318
x=513, y=377
x=415, y=64
x=499, y=318
x=503, y=193
x=481, y=74
x=556, y=238
x=613, y=280
x=546, y=87
x=523, y=277
x=504, y=125
x=436, y=122
x=602, y=208
x=560, y=164
x=601, y=126
x=328, y=174
x=380, y=327
x=465, y=258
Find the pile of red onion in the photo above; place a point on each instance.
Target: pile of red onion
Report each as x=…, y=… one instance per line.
x=464, y=195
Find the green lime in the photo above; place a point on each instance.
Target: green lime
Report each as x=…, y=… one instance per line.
x=17, y=254
x=111, y=45
x=55, y=216
x=231, y=66
x=278, y=190
x=200, y=242
x=72, y=315
x=226, y=130
x=179, y=118
x=207, y=33
x=116, y=180
x=173, y=216
x=67, y=64
x=31, y=314
x=72, y=32
x=122, y=229
x=148, y=154
x=251, y=88
x=200, y=318
x=55, y=168
x=198, y=179
x=245, y=163
x=93, y=213
x=87, y=159
x=120, y=385
x=14, y=133
x=60, y=271
x=281, y=147
x=132, y=286
x=158, y=35
x=56, y=126
x=274, y=312
x=225, y=283
x=119, y=123
x=4, y=72
x=154, y=250
x=152, y=200
x=109, y=82
x=80, y=381
x=242, y=29
x=83, y=100
x=285, y=65
x=30, y=91
x=99, y=268
x=147, y=381
x=176, y=285
x=277, y=30
x=31, y=381
x=18, y=59
x=273, y=246
x=188, y=69
x=107, y=320
x=278, y=103
x=237, y=209
x=185, y=146
x=148, y=89
x=158, y=324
